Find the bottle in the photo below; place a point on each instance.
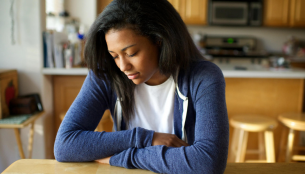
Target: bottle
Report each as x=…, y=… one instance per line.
x=68, y=56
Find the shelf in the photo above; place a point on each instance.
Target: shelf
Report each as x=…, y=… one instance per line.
x=64, y=71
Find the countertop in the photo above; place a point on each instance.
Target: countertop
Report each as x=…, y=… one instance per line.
x=258, y=71
x=245, y=68
x=236, y=68
x=43, y=166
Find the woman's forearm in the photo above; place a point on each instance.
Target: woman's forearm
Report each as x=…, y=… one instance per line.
x=82, y=145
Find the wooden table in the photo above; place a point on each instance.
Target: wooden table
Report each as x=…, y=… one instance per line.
x=16, y=127
x=30, y=166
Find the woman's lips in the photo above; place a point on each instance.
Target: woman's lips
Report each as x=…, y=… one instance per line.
x=133, y=76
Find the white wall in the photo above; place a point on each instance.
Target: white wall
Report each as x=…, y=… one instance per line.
x=271, y=38
x=84, y=10
x=25, y=56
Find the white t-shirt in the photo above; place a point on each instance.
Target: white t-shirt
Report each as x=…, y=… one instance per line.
x=154, y=107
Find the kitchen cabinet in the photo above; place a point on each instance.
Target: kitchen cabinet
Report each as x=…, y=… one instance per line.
x=194, y=12
x=276, y=13
x=297, y=13
x=65, y=90
x=284, y=13
x=101, y=4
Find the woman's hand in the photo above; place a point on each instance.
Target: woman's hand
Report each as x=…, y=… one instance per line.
x=104, y=160
x=168, y=140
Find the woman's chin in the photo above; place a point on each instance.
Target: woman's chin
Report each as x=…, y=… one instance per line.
x=136, y=81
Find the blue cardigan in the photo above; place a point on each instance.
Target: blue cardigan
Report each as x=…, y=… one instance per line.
x=200, y=118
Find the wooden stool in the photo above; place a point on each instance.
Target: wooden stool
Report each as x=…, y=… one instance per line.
x=294, y=121
x=252, y=123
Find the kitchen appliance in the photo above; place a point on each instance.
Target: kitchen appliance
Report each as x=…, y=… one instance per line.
x=234, y=47
x=235, y=12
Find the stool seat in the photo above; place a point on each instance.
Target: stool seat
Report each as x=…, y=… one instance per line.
x=253, y=123
x=294, y=121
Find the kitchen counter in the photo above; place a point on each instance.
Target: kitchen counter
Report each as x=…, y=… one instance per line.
x=233, y=69
x=258, y=71
x=245, y=68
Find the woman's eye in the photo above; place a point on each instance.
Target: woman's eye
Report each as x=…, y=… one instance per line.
x=131, y=55
x=114, y=57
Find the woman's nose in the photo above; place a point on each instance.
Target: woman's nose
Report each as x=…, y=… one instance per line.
x=124, y=64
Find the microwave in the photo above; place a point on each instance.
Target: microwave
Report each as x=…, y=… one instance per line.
x=235, y=12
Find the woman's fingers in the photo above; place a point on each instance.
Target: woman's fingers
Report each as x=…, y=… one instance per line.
x=104, y=160
x=178, y=143
x=168, y=140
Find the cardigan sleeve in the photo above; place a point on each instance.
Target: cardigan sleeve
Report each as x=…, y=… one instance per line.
x=76, y=139
x=208, y=153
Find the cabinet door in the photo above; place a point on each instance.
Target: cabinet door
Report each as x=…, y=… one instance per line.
x=297, y=13
x=101, y=4
x=276, y=13
x=194, y=11
x=65, y=90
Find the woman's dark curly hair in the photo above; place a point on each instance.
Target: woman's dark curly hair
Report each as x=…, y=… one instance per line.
x=155, y=19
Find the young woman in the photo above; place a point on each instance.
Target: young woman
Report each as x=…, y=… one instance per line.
x=167, y=103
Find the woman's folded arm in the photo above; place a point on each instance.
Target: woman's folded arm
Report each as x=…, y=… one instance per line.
x=208, y=153
x=76, y=139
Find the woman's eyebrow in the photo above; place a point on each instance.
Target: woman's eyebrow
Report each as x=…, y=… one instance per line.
x=124, y=48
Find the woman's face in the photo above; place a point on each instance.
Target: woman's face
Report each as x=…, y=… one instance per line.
x=135, y=55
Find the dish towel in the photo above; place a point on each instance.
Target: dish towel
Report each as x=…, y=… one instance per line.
x=15, y=119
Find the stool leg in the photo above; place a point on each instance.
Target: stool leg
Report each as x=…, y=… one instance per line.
x=284, y=136
x=234, y=144
x=289, y=145
x=19, y=143
x=242, y=146
x=30, y=146
x=261, y=146
x=269, y=141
